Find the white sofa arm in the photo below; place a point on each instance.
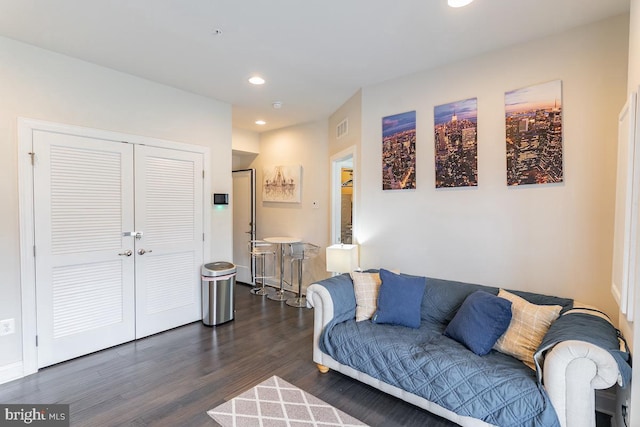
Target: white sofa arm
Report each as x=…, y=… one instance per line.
x=319, y=299
x=573, y=370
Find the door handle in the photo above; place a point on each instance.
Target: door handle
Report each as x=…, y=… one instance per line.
x=136, y=234
x=142, y=251
x=128, y=252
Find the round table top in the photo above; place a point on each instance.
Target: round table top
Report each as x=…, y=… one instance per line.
x=282, y=240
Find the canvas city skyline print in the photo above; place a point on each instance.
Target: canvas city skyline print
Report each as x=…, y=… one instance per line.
x=399, y=151
x=456, y=143
x=533, y=121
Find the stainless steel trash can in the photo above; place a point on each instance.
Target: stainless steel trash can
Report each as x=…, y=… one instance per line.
x=218, y=283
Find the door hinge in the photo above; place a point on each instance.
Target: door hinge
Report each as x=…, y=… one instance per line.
x=32, y=155
x=203, y=237
x=34, y=250
x=36, y=340
x=203, y=174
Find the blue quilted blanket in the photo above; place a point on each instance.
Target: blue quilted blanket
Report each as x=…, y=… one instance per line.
x=495, y=388
x=581, y=325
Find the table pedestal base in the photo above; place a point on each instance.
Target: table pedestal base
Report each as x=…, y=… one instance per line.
x=280, y=295
x=300, y=302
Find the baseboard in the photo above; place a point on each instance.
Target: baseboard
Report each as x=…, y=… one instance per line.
x=11, y=372
x=606, y=401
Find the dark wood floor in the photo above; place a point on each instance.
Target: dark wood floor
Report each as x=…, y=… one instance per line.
x=173, y=378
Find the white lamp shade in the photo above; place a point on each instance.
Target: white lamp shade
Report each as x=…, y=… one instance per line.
x=458, y=3
x=342, y=258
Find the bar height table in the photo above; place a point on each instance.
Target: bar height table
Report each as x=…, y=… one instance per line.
x=281, y=295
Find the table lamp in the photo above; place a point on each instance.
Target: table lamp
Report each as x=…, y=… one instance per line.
x=342, y=258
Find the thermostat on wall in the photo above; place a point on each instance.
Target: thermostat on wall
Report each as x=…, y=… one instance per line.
x=220, y=198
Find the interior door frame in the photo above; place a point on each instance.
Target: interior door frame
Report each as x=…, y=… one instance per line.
x=254, y=226
x=337, y=161
x=26, y=127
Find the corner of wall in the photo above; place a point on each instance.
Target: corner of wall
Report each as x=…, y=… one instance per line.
x=245, y=141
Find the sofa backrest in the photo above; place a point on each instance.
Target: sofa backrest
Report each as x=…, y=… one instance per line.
x=442, y=298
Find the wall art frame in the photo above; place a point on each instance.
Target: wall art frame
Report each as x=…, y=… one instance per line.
x=282, y=183
x=456, y=143
x=399, y=151
x=534, y=137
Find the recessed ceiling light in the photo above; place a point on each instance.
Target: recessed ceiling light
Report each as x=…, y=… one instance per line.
x=458, y=3
x=261, y=122
x=256, y=80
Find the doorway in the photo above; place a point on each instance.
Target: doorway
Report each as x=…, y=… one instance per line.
x=343, y=196
x=244, y=223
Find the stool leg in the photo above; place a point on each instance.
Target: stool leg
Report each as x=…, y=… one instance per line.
x=299, y=301
x=280, y=294
x=256, y=276
x=261, y=275
x=299, y=278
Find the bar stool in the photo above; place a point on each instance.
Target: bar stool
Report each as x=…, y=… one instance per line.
x=299, y=253
x=263, y=255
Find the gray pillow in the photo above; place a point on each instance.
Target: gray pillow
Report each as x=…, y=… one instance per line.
x=443, y=298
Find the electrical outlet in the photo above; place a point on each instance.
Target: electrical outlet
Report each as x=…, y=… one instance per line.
x=7, y=327
x=316, y=204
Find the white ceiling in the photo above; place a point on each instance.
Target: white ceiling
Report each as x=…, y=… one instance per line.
x=314, y=54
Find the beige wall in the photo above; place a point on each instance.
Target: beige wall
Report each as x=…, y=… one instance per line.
x=351, y=110
x=246, y=147
x=306, y=145
x=245, y=141
x=553, y=239
x=38, y=84
x=634, y=46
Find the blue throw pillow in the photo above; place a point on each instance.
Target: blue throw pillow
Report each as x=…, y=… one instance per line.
x=481, y=320
x=399, y=299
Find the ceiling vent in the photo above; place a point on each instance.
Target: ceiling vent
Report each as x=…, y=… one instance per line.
x=342, y=129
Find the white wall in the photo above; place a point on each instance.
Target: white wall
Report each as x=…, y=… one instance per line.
x=306, y=145
x=632, y=330
x=553, y=239
x=38, y=84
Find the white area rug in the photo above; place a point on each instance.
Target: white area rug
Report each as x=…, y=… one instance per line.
x=276, y=403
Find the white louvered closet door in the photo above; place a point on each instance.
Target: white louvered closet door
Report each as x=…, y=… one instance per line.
x=169, y=212
x=83, y=200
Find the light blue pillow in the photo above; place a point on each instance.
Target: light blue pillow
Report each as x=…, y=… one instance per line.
x=399, y=299
x=480, y=321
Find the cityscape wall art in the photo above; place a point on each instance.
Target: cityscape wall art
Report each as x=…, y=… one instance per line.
x=456, y=143
x=282, y=183
x=399, y=151
x=533, y=121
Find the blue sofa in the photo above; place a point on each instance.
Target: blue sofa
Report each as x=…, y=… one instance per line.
x=426, y=368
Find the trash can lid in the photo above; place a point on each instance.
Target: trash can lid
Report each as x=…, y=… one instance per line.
x=219, y=268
